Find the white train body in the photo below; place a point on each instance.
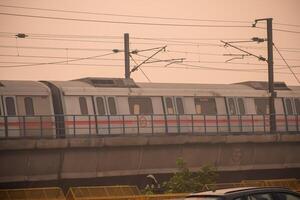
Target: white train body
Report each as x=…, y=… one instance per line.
x=103, y=106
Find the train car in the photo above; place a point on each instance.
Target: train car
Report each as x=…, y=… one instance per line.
x=119, y=106
x=291, y=108
x=25, y=109
x=109, y=106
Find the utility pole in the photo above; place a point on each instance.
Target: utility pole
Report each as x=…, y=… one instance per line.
x=272, y=93
x=127, y=54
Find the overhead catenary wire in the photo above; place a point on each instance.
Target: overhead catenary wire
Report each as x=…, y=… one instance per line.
x=124, y=15
x=169, y=42
x=55, y=48
x=185, y=66
x=210, y=68
x=281, y=30
x=147, y=77
x=286, y=63
x=59, y=62
x=139, y=23
x=124, y=22
x=42, y=35
x=120, y=59
x=139, y=16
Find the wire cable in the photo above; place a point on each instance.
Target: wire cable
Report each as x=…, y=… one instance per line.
x=139, y=60
x=193, y=67
x=281, y=30
x=137, y=16
x=59, y=62
x=140, y=68
x=286, y=63
x=120, y=15
x=124, y=22
x=55, y=48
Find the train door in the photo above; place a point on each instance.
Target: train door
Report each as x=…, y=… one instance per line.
x=79, y=112
x=171, y=117
x=30, y=122
x=291, y=113
x=184, y=121
x=237, y=118
x=2, y=123
x=297, y=111
x=281, y=123
x=10, y=110
x=115, y=121
x=261, y=118
x=101, y=115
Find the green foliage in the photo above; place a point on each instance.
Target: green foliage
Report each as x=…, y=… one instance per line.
x=148, y=190
x=186, y=181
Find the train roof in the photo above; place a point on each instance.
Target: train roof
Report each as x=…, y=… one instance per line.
x=191, y=86
x=127, y=87
x=11, y=87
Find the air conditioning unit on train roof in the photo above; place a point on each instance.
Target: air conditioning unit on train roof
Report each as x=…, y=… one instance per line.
x=263, y=85
x=109, y=82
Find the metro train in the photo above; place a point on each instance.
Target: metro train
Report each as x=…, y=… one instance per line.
x=109, y=106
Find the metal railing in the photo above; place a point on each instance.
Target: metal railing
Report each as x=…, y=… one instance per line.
x=102, y=192
x=82, y=125
x=52, y=193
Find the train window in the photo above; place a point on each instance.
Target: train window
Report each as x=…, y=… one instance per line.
x=231, y=106
x=241, y=106
x=83, y=106
x=112, y=106
x=297, y=105
x=140, y=105
x=289, y=106
x=205, y=106
x=29, y=110
x=179, y=105
x=10, y=106
x=100, y=106
x=169, y=105
x=261, y=106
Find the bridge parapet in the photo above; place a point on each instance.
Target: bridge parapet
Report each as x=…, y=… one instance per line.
x=96, y=157
x=119, y=141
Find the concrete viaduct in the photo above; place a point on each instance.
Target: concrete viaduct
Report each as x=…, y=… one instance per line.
x=97, y=157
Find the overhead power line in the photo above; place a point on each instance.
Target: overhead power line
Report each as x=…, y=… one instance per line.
x=281, y=30
x=120, y=15
x=170, y=43
x=42, y=35
x=124, y=22
x=54, y=48
x=59, y=62
x=184, y=66
x=120, y=59
x=139, y=16
x=287, y=64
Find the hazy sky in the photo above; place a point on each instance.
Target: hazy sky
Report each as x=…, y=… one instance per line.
x=92, y=35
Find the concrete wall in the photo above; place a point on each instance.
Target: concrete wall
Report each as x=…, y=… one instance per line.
x=52, y=159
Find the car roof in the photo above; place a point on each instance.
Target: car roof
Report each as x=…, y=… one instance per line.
x=223, y=191
x=239, y=190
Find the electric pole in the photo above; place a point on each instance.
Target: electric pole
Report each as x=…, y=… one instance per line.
x=127, y=54
x=272, y=93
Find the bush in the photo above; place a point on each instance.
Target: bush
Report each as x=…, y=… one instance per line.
x=185, y=181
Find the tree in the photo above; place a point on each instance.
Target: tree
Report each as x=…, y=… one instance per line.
x=186, y=181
